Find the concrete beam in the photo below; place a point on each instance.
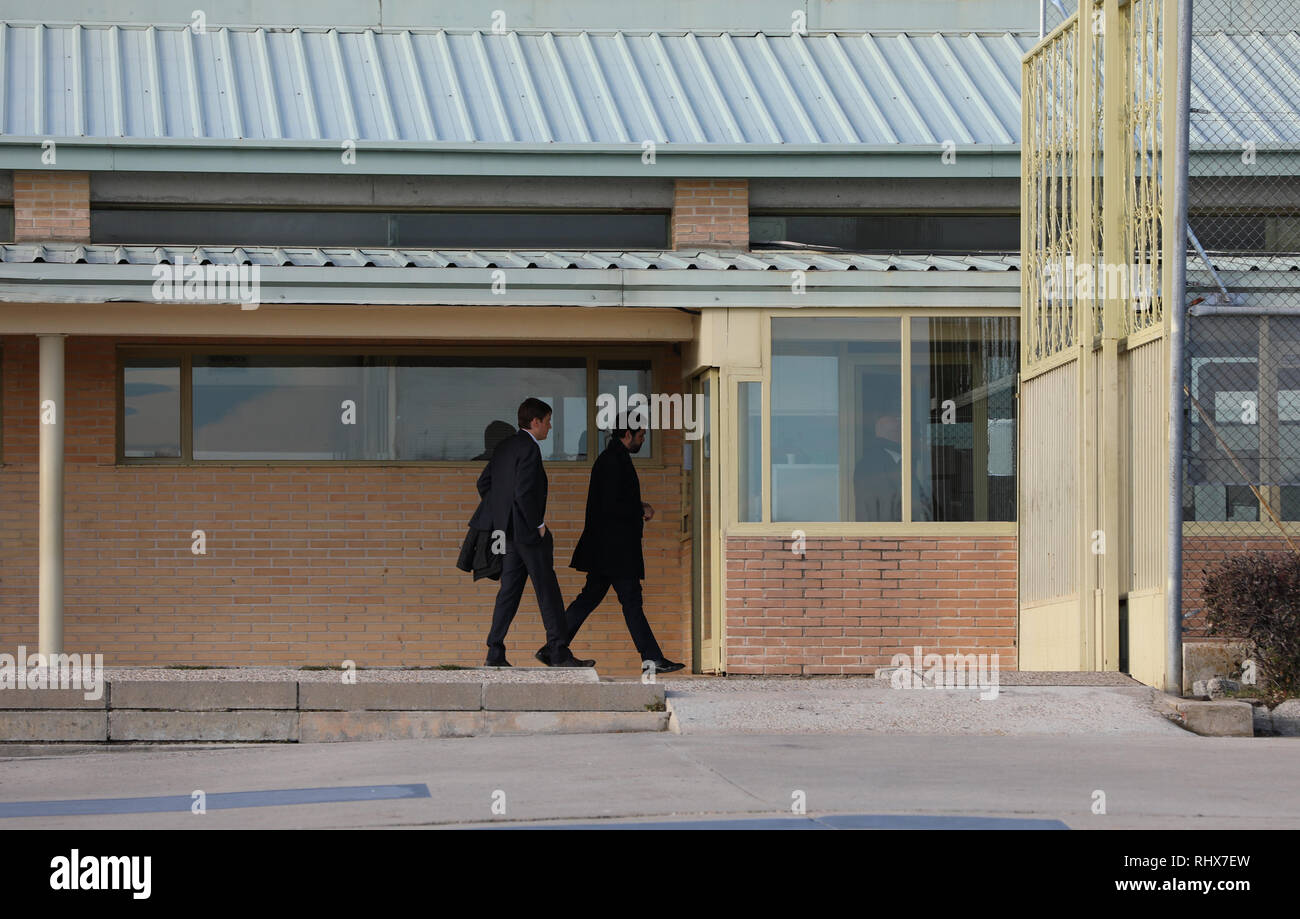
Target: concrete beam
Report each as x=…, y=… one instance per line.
x=415, y=697
x=202, y=696
x=53, y=726
x=247, y=726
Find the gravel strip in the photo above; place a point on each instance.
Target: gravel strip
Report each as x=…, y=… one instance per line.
x=872, y=707
x=378, y=675
x=695, y=683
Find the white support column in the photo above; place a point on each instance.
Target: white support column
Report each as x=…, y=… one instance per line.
x=52, y=419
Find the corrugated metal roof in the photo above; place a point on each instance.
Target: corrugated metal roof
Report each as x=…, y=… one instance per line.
x=516, y=87
x=1245, y=86
x=701, y=259
x=534, y=87
x=297, y=256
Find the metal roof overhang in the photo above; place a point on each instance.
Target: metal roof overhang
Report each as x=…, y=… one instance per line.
x=28, y=283
x=672, y=161
x=801, y=161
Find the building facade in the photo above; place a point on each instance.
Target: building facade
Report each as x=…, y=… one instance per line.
x=272, y=292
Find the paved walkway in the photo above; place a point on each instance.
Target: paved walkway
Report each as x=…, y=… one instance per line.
x=1113, y=705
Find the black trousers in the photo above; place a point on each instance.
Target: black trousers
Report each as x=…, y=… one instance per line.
x=629, y=595
x=535, y=562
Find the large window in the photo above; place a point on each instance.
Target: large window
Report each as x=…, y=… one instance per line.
x=841, y=449
x=204, y=406
x=437, y=230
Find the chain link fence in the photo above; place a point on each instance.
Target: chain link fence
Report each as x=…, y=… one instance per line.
x=1242, y=350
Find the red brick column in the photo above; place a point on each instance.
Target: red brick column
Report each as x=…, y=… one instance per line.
x=51, y=206
x=711, y=214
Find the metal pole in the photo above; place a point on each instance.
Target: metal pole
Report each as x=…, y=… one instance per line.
x=52, y=419
x=1177, y=308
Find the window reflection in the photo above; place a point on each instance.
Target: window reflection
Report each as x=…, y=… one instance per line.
x=323, y=407
x=964, y=414
x=836, y=409
x=151, y=409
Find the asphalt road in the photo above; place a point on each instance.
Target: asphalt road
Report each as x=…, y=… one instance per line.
x=1149, y=781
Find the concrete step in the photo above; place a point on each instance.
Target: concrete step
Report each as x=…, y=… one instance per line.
x=312, y=707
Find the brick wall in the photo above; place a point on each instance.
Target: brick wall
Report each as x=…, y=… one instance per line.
x=305, y=564
x=50, y=205
x=849, y=605
x=711, y=213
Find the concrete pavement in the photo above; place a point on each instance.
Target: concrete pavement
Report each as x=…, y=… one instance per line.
x=1173, y=780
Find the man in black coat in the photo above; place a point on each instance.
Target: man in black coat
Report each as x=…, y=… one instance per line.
x=513, y=487
x=609, y=549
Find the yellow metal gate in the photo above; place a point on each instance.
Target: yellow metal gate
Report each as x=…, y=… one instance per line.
x=1096, y=231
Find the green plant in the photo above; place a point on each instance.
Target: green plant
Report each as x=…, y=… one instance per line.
x=1255, y=597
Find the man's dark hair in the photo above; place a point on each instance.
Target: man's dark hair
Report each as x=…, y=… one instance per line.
x=622, y=427
x=532, y=409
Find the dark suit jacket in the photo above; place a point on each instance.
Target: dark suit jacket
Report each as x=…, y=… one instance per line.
x=513, y=487
x=878, y=483
x=610, y=544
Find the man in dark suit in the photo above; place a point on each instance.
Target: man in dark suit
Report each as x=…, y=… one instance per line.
x=609, y=549
x=878, y=476
x=513, y=488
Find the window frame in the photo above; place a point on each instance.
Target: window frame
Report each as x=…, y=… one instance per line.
x=126, y=352
x=884, y=529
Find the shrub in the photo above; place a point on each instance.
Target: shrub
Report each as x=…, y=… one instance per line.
x=1256, y=598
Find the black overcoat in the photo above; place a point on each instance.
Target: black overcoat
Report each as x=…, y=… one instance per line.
x=610, y=544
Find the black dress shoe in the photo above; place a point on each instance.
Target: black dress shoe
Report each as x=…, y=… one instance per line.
x=574, y=662
x=545, y=657
x=502, y=662
x=663, y=665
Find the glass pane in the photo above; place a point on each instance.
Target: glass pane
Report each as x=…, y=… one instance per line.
x=162, y=226
x=964, y=418
x=888, y=232
x=836, y=428
x=634, y=378
x=291, y=408
x=446, y=230
x=531, y=230
x=380, y=408
x=151, y=408
x=749, y=406
x=459, y=408
x=1222, y=425
x=705, y=531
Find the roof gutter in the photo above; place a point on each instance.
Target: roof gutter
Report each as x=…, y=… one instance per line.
x=206, y=155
